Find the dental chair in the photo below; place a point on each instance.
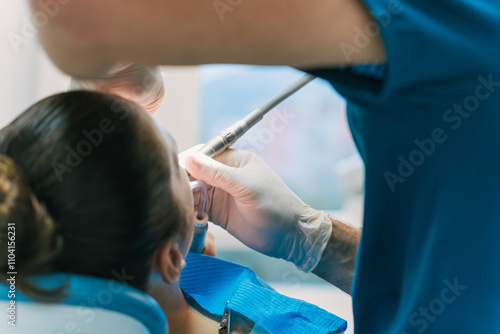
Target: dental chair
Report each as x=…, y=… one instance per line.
x=93, y=306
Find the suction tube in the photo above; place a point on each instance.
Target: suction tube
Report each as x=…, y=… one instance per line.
x=201, y=218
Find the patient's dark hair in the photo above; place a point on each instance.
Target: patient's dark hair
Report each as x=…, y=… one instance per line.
x=87, y=188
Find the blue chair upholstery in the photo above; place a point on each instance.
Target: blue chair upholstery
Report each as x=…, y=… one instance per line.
x=93, y=305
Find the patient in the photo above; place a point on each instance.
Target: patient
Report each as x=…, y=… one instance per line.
x=94, y=186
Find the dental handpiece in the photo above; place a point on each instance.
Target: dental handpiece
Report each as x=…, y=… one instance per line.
x=228, y=136
x=224, y=140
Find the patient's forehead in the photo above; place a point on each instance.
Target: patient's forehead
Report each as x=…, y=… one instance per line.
x=153, y=127
x=166, y=136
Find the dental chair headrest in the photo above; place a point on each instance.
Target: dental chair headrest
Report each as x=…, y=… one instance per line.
x=93, y=305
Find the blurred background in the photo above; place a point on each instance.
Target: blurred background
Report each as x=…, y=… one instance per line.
x=306, y=139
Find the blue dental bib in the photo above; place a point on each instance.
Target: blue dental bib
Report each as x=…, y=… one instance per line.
x=213, y=282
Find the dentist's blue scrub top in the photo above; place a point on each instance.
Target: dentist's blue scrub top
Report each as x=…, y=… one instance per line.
x=428, y=129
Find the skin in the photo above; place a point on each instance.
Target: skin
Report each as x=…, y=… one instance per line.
x=86, y=38
x=339, y=258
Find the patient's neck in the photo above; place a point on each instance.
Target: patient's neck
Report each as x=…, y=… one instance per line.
x=180, y=316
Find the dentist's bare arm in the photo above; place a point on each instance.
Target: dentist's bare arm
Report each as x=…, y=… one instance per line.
x=339, y=258
x=87, y=37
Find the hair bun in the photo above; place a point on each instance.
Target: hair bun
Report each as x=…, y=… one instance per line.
x=20, y=212
x=11, y=179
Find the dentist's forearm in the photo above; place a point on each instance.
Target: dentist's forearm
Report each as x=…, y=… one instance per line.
x=86, y=38
x=339, y=258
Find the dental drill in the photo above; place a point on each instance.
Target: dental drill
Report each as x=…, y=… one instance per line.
x=224, y=140
x=228, y=136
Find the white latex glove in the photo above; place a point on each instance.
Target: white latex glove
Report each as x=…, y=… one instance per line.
x=140, y=84
x=252, y=203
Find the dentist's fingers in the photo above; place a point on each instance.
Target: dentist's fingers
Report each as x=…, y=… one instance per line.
x=230, y=157
x=140, y=84
x=183, y=155
x=211, y=171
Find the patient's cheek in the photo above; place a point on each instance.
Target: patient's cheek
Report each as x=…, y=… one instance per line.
x=209, y=246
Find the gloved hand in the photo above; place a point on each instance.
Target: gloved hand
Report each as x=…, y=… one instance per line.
x=140, y=84
x=252, y=203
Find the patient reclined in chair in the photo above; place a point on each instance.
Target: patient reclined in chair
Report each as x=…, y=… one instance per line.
x=96, y=199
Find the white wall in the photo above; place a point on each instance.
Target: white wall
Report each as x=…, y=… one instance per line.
x=19, y=63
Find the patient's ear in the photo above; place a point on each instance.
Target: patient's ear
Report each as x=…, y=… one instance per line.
x=168, y=261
